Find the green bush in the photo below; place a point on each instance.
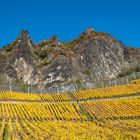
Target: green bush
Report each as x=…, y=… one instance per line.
x=8, y=48
x=43, y=54
x=86, y=72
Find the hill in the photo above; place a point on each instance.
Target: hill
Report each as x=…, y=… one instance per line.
x=93, y=57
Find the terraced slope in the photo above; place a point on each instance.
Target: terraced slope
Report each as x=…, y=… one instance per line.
x=97, y=114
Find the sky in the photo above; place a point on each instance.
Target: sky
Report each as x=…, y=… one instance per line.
x=68, y=18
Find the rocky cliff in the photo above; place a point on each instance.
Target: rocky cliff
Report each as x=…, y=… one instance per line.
x=93, y=57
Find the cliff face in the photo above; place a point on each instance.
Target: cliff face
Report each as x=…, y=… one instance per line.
x=92, y=57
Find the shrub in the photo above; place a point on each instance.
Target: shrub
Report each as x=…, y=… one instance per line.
x=43, y=54
x=8, y=48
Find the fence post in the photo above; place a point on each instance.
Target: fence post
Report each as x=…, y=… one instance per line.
x=73, y=88
x=57, y=89
x=123, y=81
x=41, y=90
x=10, y=88
x=89, y=86
x=76, y=87
x=63, y=89
x=127, y=81
x=102, y=84
x=134, y=75
x=109, y=83
x=28, y=90
x=115, y=82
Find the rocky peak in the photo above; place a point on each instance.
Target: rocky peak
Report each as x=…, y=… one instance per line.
x=54, y=39
x=24, y=39
x=90, y=30
x=24, y=34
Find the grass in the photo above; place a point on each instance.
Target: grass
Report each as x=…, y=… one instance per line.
x=5, y=133
x=84, y=113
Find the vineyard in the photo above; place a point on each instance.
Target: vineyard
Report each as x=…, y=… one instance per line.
x=111, y=113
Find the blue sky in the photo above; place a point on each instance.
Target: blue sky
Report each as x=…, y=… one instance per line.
x=68, y=18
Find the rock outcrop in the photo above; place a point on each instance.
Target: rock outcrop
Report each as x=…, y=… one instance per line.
x=93, y=57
